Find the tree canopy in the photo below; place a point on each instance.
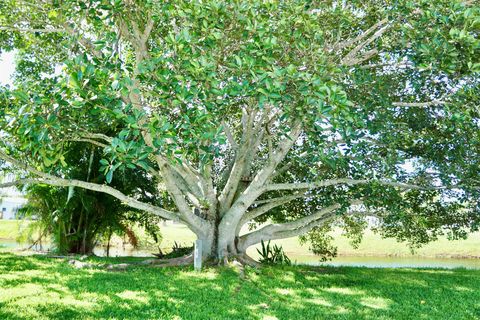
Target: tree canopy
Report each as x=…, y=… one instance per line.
x=302, y=113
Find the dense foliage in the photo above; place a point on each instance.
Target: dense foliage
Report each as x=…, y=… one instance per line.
x=299, y=112
x=76, y=220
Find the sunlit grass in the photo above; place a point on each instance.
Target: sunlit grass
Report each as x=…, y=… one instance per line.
x=10, y=229
x=36, y=287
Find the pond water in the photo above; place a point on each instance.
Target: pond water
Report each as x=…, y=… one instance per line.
x=367, y=261
x=101, y=251
x=8, y=244
x=391, y=262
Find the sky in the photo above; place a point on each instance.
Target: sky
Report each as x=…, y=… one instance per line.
x=7, y=67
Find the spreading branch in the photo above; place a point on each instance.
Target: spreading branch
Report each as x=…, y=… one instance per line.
x=294, y=228
x=333, y=182
x=49, y=179
x=353, y=57
x=275, y=231
x=360, y=37
x=271, y=204
x=32, y=30
x=419, y=104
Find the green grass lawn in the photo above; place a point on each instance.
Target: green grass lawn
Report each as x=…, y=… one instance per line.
x=372, y=245
x=35, y=287
x=9, y=229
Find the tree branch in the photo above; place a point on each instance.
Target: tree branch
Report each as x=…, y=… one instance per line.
x=352, y=58
x=256, y=187
x=240, y=162
x=360, y=37
x=294, y=228
x=333, y=182
x=419, y=104
x=358, y=60
x=273, y=231
x=100, y=136
x=167, y=170
x=267, y=206
x=229, y=135
x=61, y=182
x=94, y=142
x=32, y=30
x=404, y=64
x=19, y=182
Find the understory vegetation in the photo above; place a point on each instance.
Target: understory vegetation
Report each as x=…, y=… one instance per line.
x=273, y=254
x=37, y=287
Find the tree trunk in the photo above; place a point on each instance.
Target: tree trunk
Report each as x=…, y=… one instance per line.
x=108, y=242
x=219, y=243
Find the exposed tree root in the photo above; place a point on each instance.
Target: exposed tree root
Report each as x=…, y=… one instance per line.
x=118, y=267
x=241, y=258
x=159, y=263
x=238, y=261
x=246, y=260
x=211, y=262
x=80, y=265
x=154, y=263
x=239, y=267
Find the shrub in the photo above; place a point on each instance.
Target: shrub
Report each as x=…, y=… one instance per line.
x=273, y=254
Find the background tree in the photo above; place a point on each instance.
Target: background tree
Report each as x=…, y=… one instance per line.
x=76, y=220
x=296, y=112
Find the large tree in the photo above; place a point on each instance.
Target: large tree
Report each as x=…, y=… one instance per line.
x=296, y=112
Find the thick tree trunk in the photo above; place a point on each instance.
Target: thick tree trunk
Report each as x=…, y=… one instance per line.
x=219, y=243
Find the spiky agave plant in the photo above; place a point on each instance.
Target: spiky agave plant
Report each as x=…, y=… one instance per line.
x=273, y=254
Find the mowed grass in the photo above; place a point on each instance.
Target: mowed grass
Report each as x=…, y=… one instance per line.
x=10, y=229
x=36, y=287
x=372, y=244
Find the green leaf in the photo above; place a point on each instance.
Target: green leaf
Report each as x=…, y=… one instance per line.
x=115, y=85
x=71, y=191
x=21, y=95
x=109, y=176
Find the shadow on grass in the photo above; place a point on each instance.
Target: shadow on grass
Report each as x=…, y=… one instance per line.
x=36, y=287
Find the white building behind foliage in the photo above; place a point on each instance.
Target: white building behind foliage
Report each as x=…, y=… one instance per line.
x=11, y=200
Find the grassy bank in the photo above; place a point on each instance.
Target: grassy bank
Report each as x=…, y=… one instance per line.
x=10, y=229
x=372, y=245
x=37, y=287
